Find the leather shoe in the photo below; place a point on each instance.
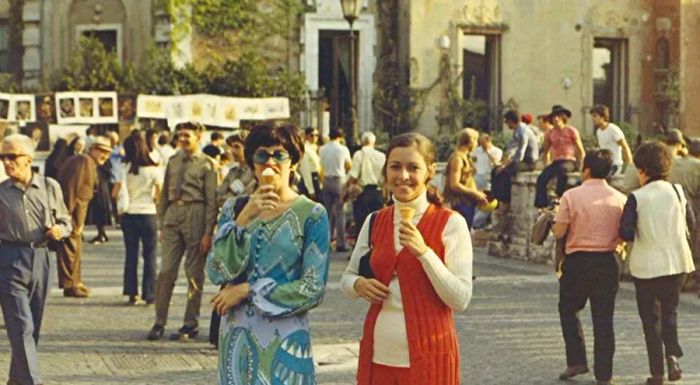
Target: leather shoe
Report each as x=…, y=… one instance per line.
x=604, y=383
x=185, y=333
x=155, y=333
x=674, y=369
x=655, y=380
x=76, y=292
x=573, y=371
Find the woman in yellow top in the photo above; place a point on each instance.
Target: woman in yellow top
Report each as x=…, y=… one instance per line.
x=460, y=189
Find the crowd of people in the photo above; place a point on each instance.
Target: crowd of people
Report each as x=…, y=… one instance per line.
x=259, y=210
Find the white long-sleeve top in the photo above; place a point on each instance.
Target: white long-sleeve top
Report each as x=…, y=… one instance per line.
x=451, y=280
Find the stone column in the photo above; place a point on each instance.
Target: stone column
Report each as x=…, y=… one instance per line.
x=31, y=40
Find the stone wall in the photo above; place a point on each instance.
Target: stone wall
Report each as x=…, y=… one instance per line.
x=524, y=214
x=535, y=72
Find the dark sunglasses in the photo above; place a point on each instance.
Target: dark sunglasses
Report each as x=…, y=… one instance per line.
x=11, y=157
x=279, y=156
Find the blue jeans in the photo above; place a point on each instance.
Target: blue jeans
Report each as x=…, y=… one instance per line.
x=141, y=228
x=467, y=210
x=558, y=169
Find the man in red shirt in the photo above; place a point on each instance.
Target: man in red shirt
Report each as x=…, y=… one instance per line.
x=567, y=155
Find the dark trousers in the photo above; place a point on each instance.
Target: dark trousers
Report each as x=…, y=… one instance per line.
x=558, y=169
x=69, y=254
x=657, y=302
x=332, y=187
x=502, y=179
x=368, y=201
x=140, y=229
x=467, y=210
x=24, y=276
x=589, y=276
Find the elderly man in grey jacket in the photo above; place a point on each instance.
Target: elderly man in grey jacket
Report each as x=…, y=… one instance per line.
x=32, y=212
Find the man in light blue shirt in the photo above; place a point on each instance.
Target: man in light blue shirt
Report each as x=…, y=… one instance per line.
x=520, y=155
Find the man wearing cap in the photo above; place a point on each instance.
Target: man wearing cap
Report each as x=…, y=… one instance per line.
x=187, y=210
x=78, y=180
x=32, y=212
x=367, y=164
x=567, y=151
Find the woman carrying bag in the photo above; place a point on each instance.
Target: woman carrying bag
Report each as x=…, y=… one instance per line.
x=657, y=218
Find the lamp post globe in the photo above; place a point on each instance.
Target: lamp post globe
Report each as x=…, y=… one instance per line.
x=351, y=10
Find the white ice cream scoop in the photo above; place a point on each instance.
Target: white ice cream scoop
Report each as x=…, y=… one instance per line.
x=268, y=175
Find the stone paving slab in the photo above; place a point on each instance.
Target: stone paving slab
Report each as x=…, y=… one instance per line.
x=509, y=335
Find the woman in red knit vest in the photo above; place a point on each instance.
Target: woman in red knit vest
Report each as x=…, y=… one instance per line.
x=421, y=270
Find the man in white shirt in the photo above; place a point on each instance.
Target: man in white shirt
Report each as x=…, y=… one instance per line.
x=310, y=166
x=367, y=164
x=335, y=162
x=486, y=157
x=165, y=149
x=610, y=137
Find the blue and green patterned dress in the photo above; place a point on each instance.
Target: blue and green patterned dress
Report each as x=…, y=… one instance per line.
x=265, y=339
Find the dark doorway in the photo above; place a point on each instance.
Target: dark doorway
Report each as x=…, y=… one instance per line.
x=481, y=81
x=108, y=38
x=334, y=76
x=610, y=76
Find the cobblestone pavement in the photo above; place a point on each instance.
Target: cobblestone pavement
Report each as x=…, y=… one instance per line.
x=509, y=335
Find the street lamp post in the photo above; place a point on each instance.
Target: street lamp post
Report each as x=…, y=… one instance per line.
x=351, y=11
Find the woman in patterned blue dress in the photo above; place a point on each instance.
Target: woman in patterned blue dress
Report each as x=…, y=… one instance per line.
x=273, y=258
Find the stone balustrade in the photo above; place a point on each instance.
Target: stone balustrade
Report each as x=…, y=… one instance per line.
x=523, y=216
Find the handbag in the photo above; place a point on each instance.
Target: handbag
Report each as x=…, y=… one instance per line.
x=540, y=230
x=365, y=269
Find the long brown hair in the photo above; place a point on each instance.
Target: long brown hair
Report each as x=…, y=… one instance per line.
x=426, y=149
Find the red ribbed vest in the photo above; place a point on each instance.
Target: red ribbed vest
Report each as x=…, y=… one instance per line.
x=432, y=340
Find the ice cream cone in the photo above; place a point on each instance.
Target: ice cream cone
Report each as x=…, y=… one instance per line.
x=267, y=177
x=406, y=213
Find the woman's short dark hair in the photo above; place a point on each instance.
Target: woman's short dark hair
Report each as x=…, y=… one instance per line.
x=599, y=162
x=654, y=158
x=271, y=133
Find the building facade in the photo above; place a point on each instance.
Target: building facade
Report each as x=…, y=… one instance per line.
x=533, y=54
x=639, y=57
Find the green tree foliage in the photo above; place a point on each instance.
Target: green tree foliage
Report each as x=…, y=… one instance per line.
x=212, y=17
x=90, y=68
